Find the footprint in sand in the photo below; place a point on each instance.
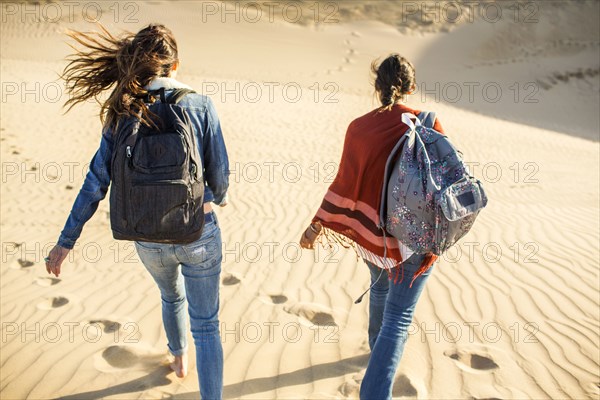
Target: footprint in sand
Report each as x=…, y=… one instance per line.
x=403, y=387
x=350, y=389
x=472, y=362
x=230, y=280
x=350, y=55
x=274, y=299
x=46, y=282
x=53, y=302
x=312, y=313
x=278, y=298
x=121, y=356
x=131, y=357
x=107, y=325
x=25, y=263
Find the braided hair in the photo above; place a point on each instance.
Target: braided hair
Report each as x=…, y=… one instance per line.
x=394, y=79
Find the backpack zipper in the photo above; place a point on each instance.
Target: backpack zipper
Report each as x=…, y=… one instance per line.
x=125, y=211
x=192, y=171
x=161, y=182
x=129, y=159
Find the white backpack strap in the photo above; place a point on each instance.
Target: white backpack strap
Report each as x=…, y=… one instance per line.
x=409, y=139
x=415, y=139
x=406, y=118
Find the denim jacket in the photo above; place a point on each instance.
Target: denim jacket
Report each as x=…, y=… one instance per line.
x=212, y=152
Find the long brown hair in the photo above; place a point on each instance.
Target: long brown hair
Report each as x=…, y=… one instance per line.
x=128, y=63
x=394, y=79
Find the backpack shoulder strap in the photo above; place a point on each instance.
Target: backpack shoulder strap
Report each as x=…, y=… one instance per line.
x=176, y=95
x=427, y=118
x=389, y=165
x=154, y=93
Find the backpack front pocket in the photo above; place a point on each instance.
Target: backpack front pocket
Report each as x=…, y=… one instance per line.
x=462, y=199
x=162, y=153
x=157, y=212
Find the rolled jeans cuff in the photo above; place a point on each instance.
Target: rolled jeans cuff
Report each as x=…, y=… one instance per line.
x=179, y=352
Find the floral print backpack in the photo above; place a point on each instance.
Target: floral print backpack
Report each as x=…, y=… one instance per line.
x=429, y=199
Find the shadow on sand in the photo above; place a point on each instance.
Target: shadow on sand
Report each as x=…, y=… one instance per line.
x=153, y=379
x=298, y=377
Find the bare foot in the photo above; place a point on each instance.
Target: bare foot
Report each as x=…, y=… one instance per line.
x=180, y=365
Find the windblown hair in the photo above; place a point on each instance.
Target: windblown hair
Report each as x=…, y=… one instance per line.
x=126, y=64
x=394, y=78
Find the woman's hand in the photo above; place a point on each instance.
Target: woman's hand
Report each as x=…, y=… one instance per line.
x=55, y=259
x=307, y=241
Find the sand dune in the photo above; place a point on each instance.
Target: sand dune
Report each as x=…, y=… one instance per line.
x=510, y=313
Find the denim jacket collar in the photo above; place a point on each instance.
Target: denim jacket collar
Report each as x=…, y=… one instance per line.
x=165, y=82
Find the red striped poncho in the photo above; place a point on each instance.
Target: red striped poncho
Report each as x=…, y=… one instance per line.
x=351, y=205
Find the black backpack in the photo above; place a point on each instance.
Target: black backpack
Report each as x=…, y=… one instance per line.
x=157, y=188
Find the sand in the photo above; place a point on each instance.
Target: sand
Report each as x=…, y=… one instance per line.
x=511, y=313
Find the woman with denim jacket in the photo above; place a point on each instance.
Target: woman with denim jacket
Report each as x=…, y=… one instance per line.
x=349, y=214
x=133, y=65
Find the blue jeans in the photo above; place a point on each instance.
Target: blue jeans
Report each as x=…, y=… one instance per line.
x=193, y=271
x=391, y=308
